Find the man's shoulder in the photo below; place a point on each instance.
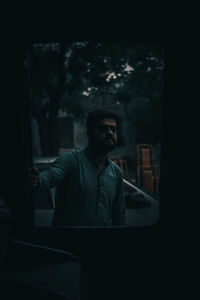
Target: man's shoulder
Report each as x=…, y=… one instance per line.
x=72, y=153
x=68, y=156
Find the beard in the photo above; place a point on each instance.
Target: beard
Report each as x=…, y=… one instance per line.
x=107, y=148
x=105, y=145
x=108, y=144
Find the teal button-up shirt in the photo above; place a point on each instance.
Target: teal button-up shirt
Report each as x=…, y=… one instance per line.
x=85, y=196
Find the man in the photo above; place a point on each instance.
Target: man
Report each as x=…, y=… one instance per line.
x=88, y=184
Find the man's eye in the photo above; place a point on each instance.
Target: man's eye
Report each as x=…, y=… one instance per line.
x=105, y=128
x=114, y=129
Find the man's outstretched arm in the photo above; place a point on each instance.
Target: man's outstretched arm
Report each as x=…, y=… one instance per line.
x=56, y=172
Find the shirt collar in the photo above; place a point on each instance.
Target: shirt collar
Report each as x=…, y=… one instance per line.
x=107, y=162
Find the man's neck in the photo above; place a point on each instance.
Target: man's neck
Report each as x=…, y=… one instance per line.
x=98, y=156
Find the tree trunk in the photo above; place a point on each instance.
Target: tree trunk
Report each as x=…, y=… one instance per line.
x=52, y=125
x=42, y=125
x=55, y=98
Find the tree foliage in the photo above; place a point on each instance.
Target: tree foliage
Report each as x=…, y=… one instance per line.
x=65, y=71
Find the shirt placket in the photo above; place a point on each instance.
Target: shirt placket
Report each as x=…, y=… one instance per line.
x=100, y=181
x=98, y=191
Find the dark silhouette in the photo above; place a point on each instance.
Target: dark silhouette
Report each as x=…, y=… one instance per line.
x=89, y=185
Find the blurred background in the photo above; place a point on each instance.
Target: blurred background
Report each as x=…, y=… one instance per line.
x=68, y=80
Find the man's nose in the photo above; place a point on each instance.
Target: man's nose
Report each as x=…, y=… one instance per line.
x=109, y=131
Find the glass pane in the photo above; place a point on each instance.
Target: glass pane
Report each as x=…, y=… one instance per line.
x=69, y=80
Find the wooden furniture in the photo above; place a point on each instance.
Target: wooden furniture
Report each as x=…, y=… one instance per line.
x=148, y=174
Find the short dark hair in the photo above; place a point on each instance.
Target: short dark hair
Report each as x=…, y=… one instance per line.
x=97, y=115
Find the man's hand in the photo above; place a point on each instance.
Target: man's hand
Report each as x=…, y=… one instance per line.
x=33, y=177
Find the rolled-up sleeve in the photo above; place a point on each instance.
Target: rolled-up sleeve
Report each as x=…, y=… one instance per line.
x=119, y=208
x=57, y=171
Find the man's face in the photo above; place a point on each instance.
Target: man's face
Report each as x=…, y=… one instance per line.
x=104, y=135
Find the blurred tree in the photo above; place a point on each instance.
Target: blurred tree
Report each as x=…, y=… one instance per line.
x=62, y=72
x=48, y=79
x=142, y=94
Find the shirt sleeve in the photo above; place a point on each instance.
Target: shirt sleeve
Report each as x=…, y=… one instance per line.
x=119, y=208
x=57, y=171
